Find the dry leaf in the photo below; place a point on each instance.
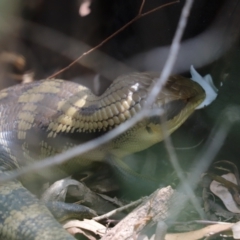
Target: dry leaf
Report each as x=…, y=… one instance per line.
x=74, y=230
x=236, y=230
x=88, y=225
x=201, y=233
x=223, y=193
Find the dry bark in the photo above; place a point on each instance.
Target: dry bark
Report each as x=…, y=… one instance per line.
x=159, y=206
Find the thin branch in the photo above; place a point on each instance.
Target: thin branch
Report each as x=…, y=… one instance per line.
x=171, y=59
x=175, y=163
x=158, y=87
x=212, y=147
x=123, y=208
x=190, y=147
x=140, y=15
x=157, y=8
x=78, y=150
x=222, y=35
x=141, y=7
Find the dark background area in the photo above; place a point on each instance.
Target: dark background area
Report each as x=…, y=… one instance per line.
x=156, y=29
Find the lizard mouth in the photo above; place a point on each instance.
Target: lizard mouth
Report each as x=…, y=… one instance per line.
x=178, y=111
x=179, y=99
x=196, y=94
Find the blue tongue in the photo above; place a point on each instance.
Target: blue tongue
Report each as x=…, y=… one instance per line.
x=207, y=84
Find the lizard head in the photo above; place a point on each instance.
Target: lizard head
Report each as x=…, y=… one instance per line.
x=178, y=99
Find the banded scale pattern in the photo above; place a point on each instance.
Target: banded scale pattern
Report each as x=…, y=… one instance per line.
x=43, y=118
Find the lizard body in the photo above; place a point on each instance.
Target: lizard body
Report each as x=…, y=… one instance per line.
x=44, y=118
